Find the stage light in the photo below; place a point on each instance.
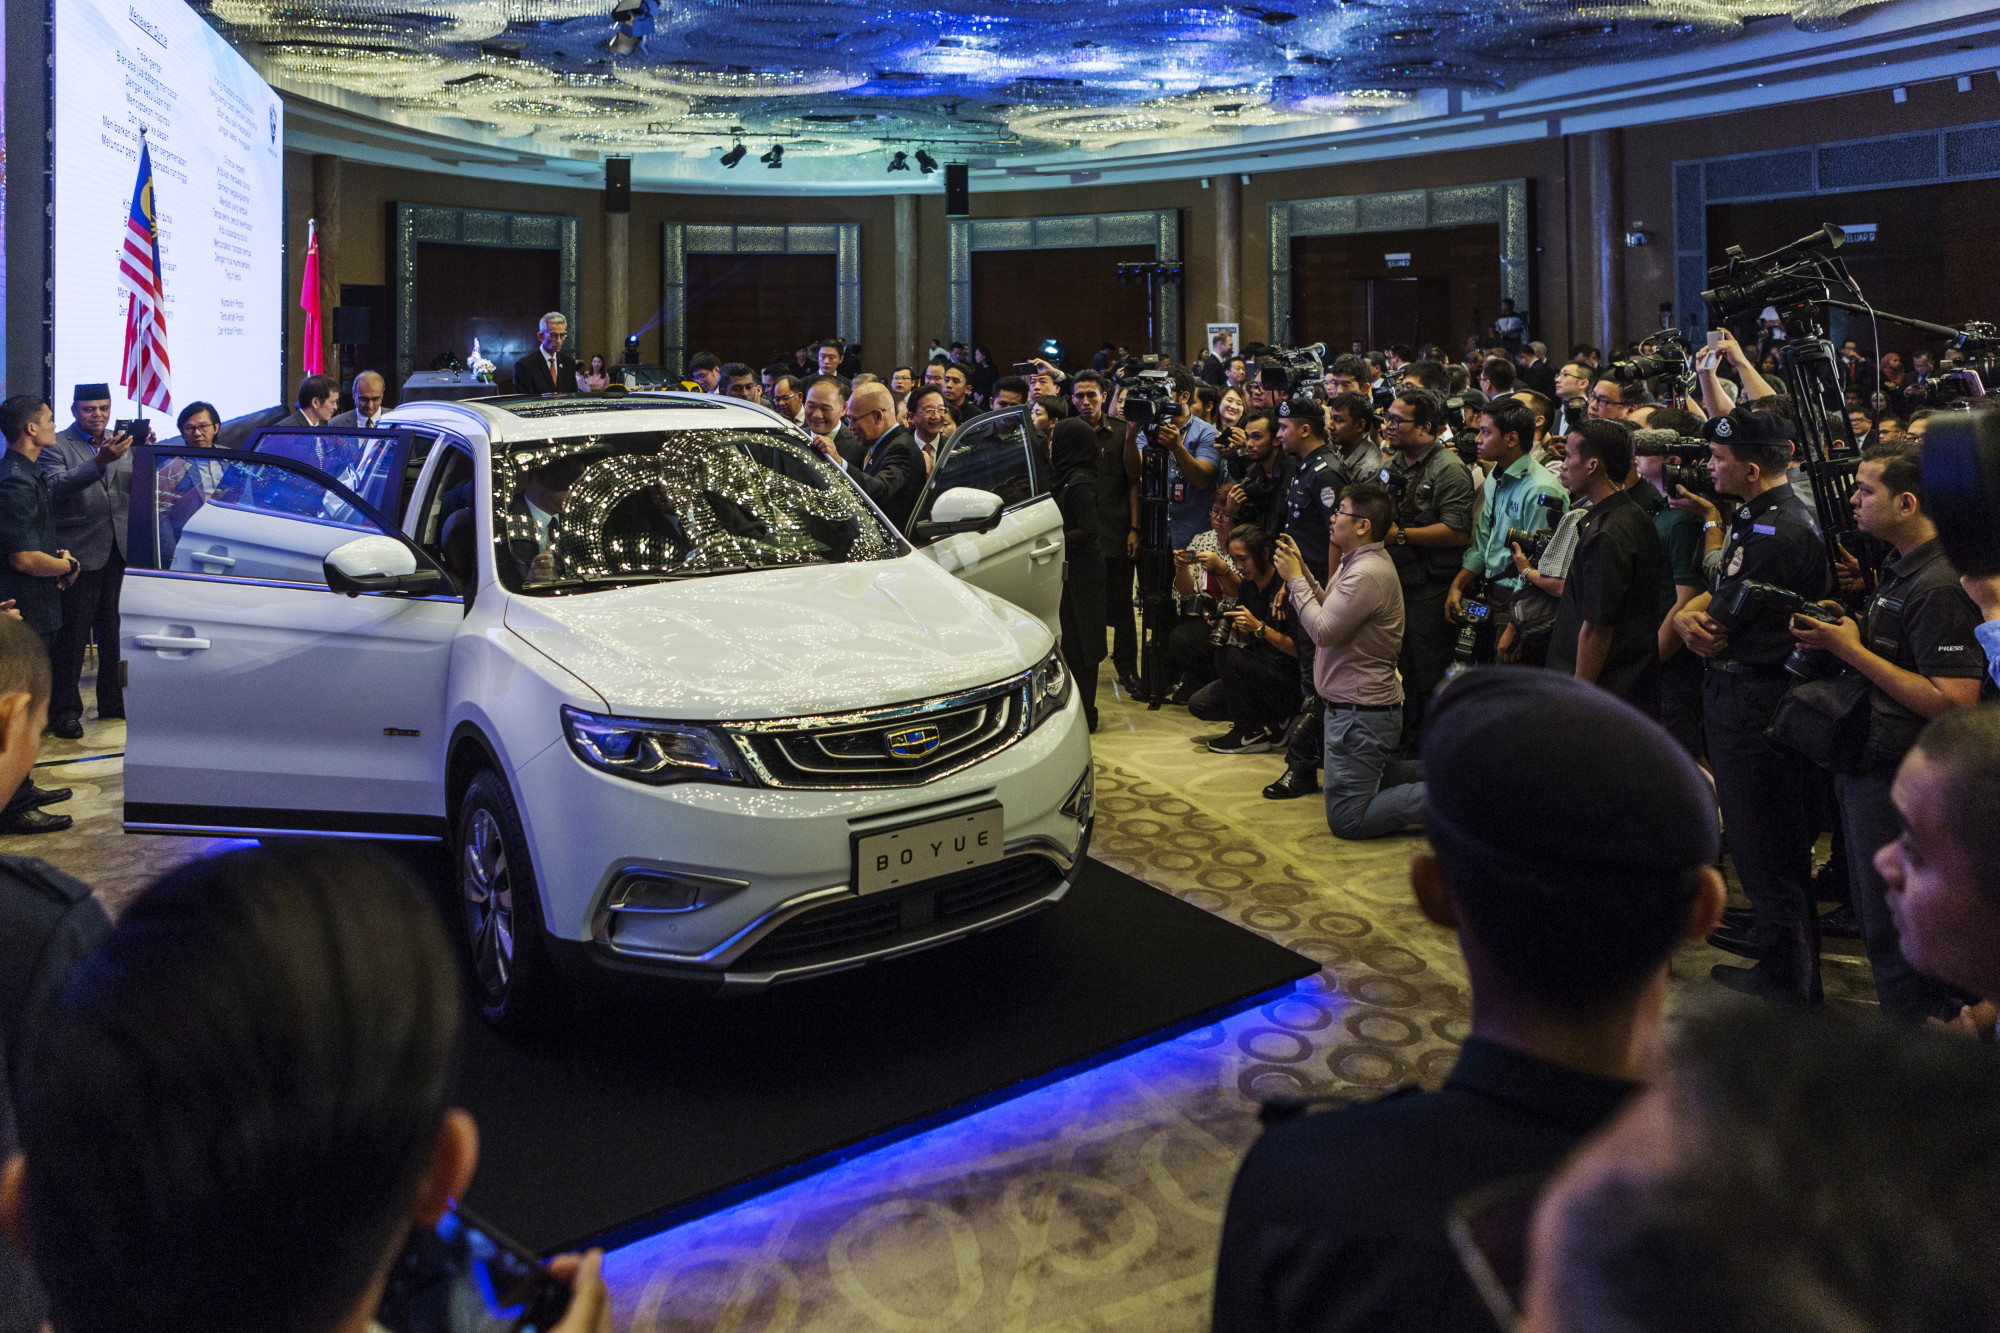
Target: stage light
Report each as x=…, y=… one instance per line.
x=635, y=23
x=925, y=162
x=900, y=162
x=775, y=158
x=734, y=155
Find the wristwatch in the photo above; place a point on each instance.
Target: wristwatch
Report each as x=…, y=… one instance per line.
x=1712, y=523
x=1402, y=536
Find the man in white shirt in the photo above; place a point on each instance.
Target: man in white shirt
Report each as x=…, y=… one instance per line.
x=368, y=387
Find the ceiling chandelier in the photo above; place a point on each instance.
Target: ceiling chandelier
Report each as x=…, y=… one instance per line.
x=976, y=79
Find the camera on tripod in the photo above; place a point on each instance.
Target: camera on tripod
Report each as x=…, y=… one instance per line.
x=1664, y=355
x=1149, y=397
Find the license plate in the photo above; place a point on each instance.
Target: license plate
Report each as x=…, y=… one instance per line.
x=925, y=851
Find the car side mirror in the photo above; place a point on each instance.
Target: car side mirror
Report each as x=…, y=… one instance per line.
x=377, y=564
x=961, y=509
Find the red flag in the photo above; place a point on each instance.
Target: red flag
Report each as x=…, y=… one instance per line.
x=315, y=349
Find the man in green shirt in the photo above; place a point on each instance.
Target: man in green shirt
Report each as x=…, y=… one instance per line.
x=1520, y=493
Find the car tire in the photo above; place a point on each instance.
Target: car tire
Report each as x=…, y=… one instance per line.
x=513, y=981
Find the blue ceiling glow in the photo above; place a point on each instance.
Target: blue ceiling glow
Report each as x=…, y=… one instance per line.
x=979, y=79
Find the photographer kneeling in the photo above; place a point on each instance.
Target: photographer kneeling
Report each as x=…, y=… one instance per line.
x=1256, y=689
x=1356, y=623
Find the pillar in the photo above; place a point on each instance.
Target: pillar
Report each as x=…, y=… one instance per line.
x=326, y=218
x=1596, y=239
x=617, y=287
x=906, y=280
x=1228, y=248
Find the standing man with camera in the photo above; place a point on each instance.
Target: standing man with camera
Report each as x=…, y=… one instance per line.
x=1310, y=499
x=1427, y=540
x=1608, y=623
x=1355, y=624
x=1519, y=495
x=1916, y=645
x=90, y=488
x=1764, y=790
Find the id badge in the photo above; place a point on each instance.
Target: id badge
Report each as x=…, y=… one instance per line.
x=1178, y=494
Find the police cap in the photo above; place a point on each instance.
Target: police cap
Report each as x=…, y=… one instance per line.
x=1747, y=426
x=1305, y=407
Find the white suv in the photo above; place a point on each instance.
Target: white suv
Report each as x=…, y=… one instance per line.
x=681, y=700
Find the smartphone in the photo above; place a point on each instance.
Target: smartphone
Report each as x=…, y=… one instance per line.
x=1714, y=339
x=462, y=1276
x=139, y=429
x=1027, y=369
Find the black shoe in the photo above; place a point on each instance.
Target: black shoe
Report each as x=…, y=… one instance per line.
x=1738, y=920
x=1243, y=742
x=1742, y=944
x=1765, y=984
x=1839, y=924
x=39, y=796
x=67, y=728
x=1295, y=782
x=1129, y=682
x=33, y=821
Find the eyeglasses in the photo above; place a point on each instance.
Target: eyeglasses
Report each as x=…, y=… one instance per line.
x=1606, y=402
x=1488, y=1230
x=1349, y=513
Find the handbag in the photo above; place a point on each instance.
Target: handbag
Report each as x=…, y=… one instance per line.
x=1826, y=721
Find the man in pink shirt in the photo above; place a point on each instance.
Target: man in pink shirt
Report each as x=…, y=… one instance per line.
x=1357, y=625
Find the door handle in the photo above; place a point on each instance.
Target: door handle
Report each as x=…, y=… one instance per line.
x=1045, y=551
x=170, y=643
x=215, y=558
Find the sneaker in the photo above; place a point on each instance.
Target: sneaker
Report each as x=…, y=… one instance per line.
x=1242, y=742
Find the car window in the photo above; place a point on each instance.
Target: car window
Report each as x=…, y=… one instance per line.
x=450, y=491
x=990, y=454
x=233, y=519
x=593, y=511
x=365, y=464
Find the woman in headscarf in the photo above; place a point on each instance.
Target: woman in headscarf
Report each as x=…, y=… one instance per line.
x=1073, y=466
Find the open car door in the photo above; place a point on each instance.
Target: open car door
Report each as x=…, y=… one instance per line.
x=1021, y=558
x=286, y=651
x=378, y=463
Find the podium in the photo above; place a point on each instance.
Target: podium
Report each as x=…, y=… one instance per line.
x=443, y=385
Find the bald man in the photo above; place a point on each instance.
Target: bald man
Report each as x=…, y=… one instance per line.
x=890, y=470
x=367, y=411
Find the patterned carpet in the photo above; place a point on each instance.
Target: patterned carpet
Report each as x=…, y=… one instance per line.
x=1093, y=1203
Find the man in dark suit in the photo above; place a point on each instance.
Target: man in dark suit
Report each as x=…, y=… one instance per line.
x=1536, y=372
x=546, y=370
x=1338, y=1220
x=368, y=387
x=90, y=489
x=825, y=405
x=318, y=399
x=890, y=470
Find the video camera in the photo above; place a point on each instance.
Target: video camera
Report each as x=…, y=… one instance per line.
x=1290, y=371
x=1149, y=396
x=1686, y=461
x=1665, y=355
x=1788, y=275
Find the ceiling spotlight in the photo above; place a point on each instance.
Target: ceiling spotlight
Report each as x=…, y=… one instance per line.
x=775, y=158
x=734, y=155
x=925, y=162
x=900, y=162
x=634, y=20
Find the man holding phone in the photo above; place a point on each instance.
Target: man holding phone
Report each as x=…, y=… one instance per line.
x=90, y=487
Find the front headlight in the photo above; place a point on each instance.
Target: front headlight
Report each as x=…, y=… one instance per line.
x=655, y=752
x=1048, y=689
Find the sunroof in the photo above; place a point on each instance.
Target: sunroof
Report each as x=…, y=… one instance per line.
x=537, y=409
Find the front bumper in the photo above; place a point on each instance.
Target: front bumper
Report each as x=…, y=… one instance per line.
x=783, y=907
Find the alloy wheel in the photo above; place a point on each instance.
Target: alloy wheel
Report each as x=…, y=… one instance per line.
x=488, y=887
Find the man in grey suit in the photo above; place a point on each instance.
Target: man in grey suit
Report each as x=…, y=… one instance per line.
x=90, y=487
x=367, y=402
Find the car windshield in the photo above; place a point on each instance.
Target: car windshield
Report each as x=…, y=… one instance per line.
x=592, y=511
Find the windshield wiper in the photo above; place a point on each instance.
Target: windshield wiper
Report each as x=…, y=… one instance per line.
x=601, y=581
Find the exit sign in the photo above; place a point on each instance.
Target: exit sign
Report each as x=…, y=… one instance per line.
x=1858, y=232
x=1399, y=260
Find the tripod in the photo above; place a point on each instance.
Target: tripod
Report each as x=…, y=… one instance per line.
x=1155, y=565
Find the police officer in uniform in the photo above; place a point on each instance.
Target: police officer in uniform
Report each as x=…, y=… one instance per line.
x=1434, y=515
x=1310, y=499
x=1764, y=791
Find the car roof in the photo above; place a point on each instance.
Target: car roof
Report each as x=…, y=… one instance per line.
x=522, y=417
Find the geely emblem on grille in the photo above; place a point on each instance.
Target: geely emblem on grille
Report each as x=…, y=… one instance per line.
x=912, y=742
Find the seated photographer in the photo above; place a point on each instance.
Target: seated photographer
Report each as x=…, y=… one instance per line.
x=1338, y=1220
x=1203, y=577
x=1915, y=645
x=1607, y=628
x=1786, y=1173
x=1943, y=869
x=237, y=1111
x=1256, y=646
x=1356, y=626
x=1518, y=499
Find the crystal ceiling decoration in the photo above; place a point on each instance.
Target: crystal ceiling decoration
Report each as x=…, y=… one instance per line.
x=979, y=79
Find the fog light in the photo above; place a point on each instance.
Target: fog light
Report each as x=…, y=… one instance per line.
x=657, y=891
x=1081, y=803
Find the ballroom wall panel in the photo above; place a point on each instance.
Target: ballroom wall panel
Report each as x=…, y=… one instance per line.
x=752, y=307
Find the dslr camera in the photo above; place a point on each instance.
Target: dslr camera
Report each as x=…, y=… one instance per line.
x=1534, y=542
x=1221, y=631
x=1749, y=601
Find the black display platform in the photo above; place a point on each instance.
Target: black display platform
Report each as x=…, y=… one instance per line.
x=641, y=1117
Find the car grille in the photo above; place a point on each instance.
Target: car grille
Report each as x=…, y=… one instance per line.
x=850, y=927
x=904, y=746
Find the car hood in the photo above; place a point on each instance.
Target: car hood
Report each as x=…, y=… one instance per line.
x=782, y=642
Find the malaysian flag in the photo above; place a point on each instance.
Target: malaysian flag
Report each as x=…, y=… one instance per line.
x=146, y=376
